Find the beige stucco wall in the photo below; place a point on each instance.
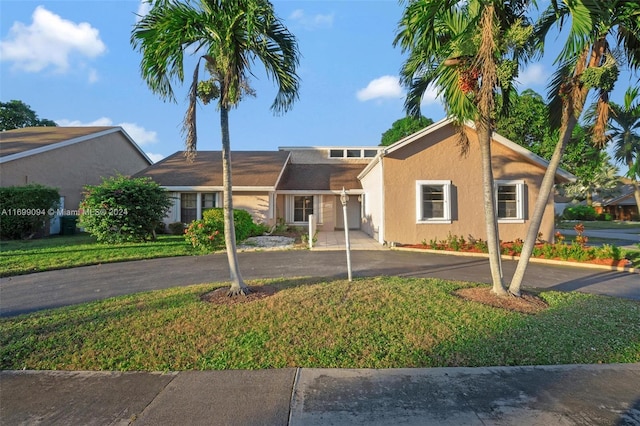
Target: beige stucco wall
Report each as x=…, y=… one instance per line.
x=256, y=203
x=437, y=157
x=71, y=167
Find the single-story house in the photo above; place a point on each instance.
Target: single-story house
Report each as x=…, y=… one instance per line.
x=417, y=189
x=67, y=158
x=622, y=206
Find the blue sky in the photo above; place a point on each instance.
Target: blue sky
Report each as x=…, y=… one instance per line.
x=72, y=62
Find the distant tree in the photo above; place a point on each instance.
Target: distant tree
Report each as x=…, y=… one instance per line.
x=526, y=122
x=16, y=115
x=404, y=127
x=625, y=136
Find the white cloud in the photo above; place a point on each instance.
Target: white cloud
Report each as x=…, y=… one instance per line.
x=312, y=22
x=139, y=134
x=154, y=157
x=93, y=76
x=387, y=86
x=143, y=8
x=535, y=75
x=49, y=41
x=430, y=96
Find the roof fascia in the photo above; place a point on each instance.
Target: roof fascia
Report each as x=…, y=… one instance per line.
x=284, y=167
x=218, y=188
x=73, y=141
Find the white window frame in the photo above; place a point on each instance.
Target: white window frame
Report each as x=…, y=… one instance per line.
x=520, y=201
x=446, y=191
x=317, y=200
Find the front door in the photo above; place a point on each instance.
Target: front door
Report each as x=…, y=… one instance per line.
x=353, y=213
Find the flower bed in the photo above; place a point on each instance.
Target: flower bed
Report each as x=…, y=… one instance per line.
x=573, y=251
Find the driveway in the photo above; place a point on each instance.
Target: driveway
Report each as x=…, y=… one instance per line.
x=53, y=289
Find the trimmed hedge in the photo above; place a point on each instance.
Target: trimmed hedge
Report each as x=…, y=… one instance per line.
x=24, y=209
x=580, y=212
x=123, y=209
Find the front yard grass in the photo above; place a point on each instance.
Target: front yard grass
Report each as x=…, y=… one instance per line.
x=368, y=323
x=59, y=252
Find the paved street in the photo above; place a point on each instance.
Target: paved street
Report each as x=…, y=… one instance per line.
x=54, y=289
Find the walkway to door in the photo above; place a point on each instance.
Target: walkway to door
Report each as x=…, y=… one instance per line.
x=334, y=240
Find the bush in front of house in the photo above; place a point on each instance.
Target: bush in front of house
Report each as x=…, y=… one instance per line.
x=580, y=212
x=123, y=209
x=207, y=234
x=176, y=228
x=25, y=209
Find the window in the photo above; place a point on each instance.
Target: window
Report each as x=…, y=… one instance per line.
x=354, y=153
x=188, y=207
x=336, y=153
x=510, y=201
x=302, y=208
x=208, y=201
x=370, y=153
x=433, y=201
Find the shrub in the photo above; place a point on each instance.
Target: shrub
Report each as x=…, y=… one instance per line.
x=207, y=234
x=605, y=217
x=24, y=209
x=580, y=212
x=176, y=228
x=123, y=209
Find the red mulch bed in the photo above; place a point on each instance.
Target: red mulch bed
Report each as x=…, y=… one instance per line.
x=606, y=262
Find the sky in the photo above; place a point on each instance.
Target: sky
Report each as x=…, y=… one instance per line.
x=72, y=62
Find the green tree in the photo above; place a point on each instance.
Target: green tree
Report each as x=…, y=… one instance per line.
x=526, y=122
x=468, y=50
x=16, y=115
x=625, y=136
x=123, y=209
x=586, y=62
x=230, y=36
x=404, y=127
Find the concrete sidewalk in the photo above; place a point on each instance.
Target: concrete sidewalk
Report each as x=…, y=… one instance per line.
x=541, y=395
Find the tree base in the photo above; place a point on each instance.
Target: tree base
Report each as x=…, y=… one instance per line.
x=239, y=291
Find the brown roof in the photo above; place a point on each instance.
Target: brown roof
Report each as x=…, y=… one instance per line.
x=321, y=177
x=248, y=168
x=28, y=138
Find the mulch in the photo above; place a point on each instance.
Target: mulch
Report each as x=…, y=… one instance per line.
x=219, y=295
x=528, y=303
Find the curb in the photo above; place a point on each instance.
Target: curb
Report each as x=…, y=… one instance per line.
x=628, y=269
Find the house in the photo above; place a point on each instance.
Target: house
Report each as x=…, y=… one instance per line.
x=288, y=184
x=422, y=188
x=622, y=206
x=418, y=189
x=67, y=158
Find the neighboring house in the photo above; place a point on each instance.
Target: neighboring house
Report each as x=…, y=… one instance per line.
x=67, y=158
x=621, y=207
x=418, y=189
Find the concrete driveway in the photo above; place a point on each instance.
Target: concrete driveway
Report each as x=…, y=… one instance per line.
x=53, y=289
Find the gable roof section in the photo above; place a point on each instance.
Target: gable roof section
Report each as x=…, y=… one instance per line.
x=21, y=143
x=530, y=156
x=321, y=177
x=252, y=170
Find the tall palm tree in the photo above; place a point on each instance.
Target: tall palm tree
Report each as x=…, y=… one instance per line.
x=230, y=36
x=625, y=135
x=468, y=50
x=587, y=61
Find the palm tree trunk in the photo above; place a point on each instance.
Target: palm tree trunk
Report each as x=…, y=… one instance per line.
x=237, y=284
x=493, y=238
x=541, y=203
x=636, y=189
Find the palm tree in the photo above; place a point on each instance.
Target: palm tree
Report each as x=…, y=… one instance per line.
x=587, y=61
x=625, y=135
x=230, y=36
x=467, y=50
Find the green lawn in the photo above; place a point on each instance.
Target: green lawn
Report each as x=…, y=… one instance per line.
x=23, y=257
x=369, y=323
